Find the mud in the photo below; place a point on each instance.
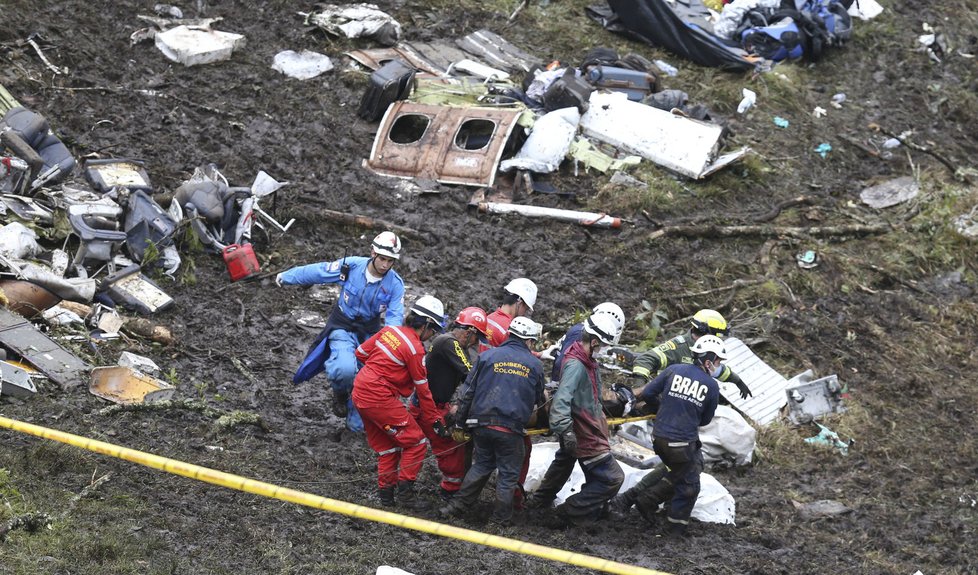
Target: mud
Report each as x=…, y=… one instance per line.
x=901, y=339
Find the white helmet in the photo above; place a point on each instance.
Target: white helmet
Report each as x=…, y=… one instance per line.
x=709, y=344
x=430, y=307
x=601, y=326
x=613, y=311
x=525, y=328
x=525, y=289
x=387, y=244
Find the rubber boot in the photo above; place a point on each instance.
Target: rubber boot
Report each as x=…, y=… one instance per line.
x=623, y=502
x=386, y=495
x=407, y=497
x=537, y=501
x=450, y=508
x=502, y=514
x=340, y=408
x=647, y=508
x=676, y=529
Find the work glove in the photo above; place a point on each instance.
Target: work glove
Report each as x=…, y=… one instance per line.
x=626, y=396
x=568, y=443
x=744, y=390
x=449, y=419
x=623, y=356
x=278, y=279
x=440, y=429
x=459, y=435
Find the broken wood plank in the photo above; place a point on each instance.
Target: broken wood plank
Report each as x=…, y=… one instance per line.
x=700, y=231
x=365, y=221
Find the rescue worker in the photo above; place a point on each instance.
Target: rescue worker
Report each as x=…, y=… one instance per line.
x=371, y=292
x=578, y=421
x=521, y=296
x=573, y=334
x=495, y=402
x=393, y=367
x=677, y=350
x=448, y=364
x=687, y=396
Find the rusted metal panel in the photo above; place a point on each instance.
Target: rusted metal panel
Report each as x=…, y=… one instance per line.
x=376, y=57
x=449, y=145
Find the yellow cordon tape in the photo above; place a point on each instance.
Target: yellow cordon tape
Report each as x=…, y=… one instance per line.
x=617, y=421
x=309, y=500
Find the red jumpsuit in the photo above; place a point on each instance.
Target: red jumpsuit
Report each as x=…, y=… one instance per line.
x=498, y=330
x=393, y=367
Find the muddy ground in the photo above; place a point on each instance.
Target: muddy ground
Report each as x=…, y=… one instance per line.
x=892, y=313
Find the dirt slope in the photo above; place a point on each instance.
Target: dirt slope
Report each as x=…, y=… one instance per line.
x=892, y=313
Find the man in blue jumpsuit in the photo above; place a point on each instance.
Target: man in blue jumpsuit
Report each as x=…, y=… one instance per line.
x=687, y=396
x=371, y=292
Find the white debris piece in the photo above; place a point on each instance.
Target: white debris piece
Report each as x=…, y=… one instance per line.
x=479, y=70
x=357, y=21
x=18, y=241
x=890, y=193
x=386, y=570
x=728, y=438
x=713, y=505
x=750, y=97
x=683, y=145
x=139, y=362
x=58, y=315
x=547, y=144
x=192, y=46
x=301, y=65
x=865, y=9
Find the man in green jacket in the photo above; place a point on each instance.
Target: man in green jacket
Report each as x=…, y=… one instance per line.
x=677, y=350
x=578, y=421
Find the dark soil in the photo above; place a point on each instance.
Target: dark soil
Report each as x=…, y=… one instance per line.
x=881, y=310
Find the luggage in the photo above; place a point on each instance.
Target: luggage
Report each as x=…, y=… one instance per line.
x=791, y=34
x=568, y=91
x=635, y=84
x=391, y=82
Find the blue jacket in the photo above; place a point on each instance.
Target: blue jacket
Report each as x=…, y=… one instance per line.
x=502, y=388
x=572, y=335
x=687, y=398
x=359, y=300
x=358, y=310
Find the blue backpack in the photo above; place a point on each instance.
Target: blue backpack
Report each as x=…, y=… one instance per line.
x=803, y=30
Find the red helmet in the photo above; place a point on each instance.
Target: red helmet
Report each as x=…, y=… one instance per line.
x=473, y=317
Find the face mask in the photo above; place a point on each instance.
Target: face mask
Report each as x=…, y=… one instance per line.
x=716, y=372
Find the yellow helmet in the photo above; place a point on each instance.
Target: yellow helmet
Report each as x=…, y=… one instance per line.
x=709, y=322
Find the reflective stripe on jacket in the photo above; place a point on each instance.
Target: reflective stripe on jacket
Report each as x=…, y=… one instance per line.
x=393, y=365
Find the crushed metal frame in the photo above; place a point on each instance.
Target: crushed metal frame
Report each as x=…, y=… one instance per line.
x=435, y=154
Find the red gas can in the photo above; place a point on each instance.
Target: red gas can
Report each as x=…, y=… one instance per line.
x=241, y=261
